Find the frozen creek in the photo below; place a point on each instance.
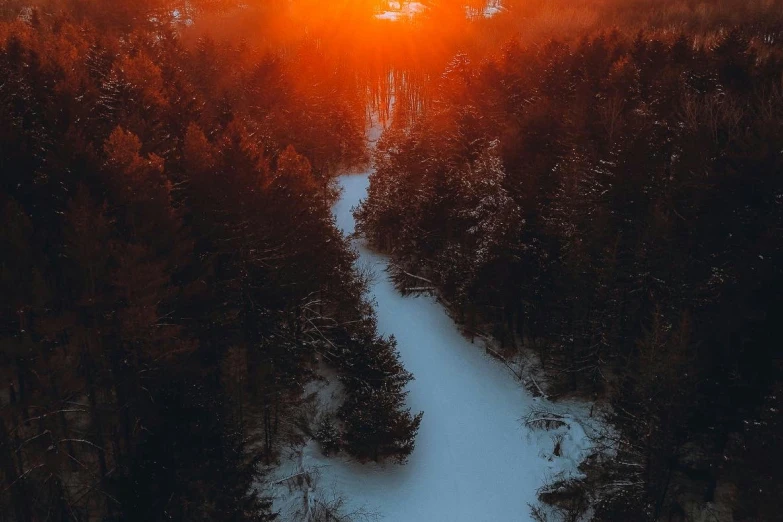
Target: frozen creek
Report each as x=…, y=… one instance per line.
x=474, y=458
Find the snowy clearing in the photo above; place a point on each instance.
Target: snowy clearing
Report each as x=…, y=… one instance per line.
x=401, y=9
x=475, y=457
x=493, y=7
x=398, y=10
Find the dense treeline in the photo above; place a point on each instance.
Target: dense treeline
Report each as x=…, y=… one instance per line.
x=615, y=205
x=169, y=268
x=171, y=276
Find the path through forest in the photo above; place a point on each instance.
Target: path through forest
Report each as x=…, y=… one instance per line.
x=474, y=459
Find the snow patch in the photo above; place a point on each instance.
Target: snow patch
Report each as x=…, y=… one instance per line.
x=475, y=458
x=397, y=10
x=478, y=456
x=493, y=7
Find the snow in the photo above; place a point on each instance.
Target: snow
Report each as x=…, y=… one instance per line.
x=399, y=10
x=478, y=456
x=475, y=458
x=493, y=7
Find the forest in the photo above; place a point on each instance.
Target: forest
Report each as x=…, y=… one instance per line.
x=613, y=204
x=170, y=271
x=597, y=187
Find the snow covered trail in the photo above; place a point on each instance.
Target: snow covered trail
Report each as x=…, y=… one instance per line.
x=474, y=459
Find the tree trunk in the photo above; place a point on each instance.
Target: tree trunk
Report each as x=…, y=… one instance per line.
x=95, y=416
x=21, y=377
x=18, y=492
x=267, y=433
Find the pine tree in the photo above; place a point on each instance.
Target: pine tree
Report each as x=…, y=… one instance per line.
x=376, y=423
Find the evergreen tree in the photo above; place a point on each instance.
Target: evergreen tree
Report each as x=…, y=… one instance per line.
x=376, y=423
